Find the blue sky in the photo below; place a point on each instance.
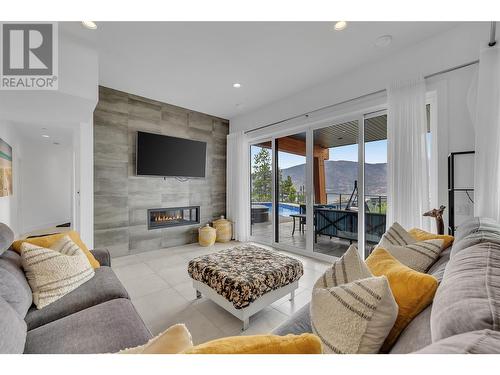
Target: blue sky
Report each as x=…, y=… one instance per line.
x=375, y=152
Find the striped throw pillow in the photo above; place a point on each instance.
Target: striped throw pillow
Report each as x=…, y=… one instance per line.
x=396, y=235
x=419, y=256
x=348, y=268
x=54, y=272
x=354, y=318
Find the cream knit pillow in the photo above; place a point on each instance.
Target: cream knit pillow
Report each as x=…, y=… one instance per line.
x=419, y=256
x=174, y=340
x=396, y=235
x=53, y=273
x=355, y=317
x=349, y=267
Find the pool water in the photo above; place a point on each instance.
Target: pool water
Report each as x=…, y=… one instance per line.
x=285, y=209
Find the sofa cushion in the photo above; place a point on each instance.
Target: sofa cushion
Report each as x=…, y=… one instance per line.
x=104, y=286
x=468, y=298
x=474, y=231
x=299, y=323
x=474, y=225
x=437, y=269
x=416, y=335
x=477, y=342
x=14, y=287
x=105, y=328
x=12, y=330
x=6, y=237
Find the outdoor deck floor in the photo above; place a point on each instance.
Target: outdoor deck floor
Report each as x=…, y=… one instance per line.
x=264, y=231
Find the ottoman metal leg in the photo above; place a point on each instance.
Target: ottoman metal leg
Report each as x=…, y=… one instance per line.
x=198, y=294
x=292, y=295
x=245, y=324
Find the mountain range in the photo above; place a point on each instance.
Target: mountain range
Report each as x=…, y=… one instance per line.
x=341, y=174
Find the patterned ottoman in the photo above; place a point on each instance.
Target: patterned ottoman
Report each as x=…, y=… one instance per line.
x=245, y=279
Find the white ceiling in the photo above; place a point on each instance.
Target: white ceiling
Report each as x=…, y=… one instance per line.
x=194, y=65
x=59, y=135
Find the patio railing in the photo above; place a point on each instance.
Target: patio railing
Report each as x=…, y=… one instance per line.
x=375, y=203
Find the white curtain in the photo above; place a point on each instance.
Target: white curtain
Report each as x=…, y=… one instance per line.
x=407, y=163
x=487, y=133
x=238, y=185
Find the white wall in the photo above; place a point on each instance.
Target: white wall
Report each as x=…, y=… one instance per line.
x=46, y=184
x=9, y=206
x=70, y=107
x=84, y=188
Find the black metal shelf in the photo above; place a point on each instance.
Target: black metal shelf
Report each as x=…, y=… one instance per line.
x=452, y=190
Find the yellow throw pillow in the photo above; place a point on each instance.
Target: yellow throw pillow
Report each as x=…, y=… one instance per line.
x=422, y=235
x=306, y=343
x=172, y=341
x=48, y=241
x=412, y=290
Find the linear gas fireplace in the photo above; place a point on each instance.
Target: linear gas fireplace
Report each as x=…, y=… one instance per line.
x=173, y=216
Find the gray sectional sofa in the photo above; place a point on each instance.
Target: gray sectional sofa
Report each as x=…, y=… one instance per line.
x=465, y=314
x=97, y=317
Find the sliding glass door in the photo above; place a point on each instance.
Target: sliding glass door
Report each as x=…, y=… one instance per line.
x=324, y=188
x=375, y=178
x=323, y=193
x=261, y=192
x=335, y=182
x=290, y=188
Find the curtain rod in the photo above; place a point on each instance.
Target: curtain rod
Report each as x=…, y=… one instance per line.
x=491, y=43
x=356, y=98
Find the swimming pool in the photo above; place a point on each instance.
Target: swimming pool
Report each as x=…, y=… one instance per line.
x=285, y=209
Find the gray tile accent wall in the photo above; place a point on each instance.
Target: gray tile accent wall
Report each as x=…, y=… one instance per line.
x=121, y=199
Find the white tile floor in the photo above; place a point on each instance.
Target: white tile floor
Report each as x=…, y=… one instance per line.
x=161, y=290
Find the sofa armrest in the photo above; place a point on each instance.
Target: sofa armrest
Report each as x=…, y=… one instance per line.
x=102, y=256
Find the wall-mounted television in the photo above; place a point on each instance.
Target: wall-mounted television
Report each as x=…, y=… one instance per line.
x=165, y=156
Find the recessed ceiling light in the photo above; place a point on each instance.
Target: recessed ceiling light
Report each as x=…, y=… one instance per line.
x=89, y=25
x=383, y=41
x=340, y=25
x=236, y=85
x=45, y=136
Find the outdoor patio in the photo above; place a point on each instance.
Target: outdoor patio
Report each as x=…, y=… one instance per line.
x=264, y=231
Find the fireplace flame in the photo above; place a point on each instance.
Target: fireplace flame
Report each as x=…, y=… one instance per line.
x=160, y=218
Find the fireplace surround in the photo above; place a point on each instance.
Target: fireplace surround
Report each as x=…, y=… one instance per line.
x=173, y=216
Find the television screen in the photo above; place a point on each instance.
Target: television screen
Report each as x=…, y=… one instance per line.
x=160, y=155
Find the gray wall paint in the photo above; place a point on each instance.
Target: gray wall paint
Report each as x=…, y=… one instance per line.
x=121, y=198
